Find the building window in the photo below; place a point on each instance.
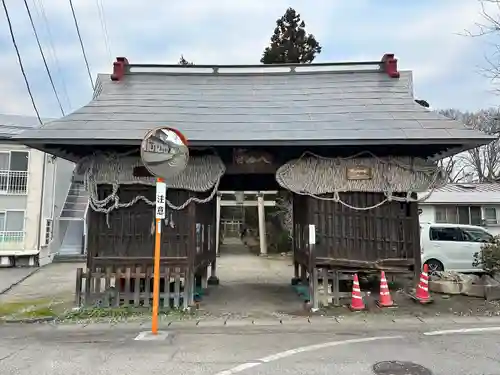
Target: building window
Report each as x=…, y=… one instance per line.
x=490, y=216
x=14, y=172
x=440, y=215
x=11, y=230
x=470, y=215
x=446, y=214
x=49, y=231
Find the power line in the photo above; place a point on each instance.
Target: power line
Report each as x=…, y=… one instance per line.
x=81, y=44
x=43, y=57
x=20, y=61
x=40, y=9
x=102, y=18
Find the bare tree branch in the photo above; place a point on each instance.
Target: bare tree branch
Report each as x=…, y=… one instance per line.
x=489, y=28
x=483, y=163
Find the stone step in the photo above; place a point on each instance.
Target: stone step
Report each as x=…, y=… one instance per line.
x=69, y=258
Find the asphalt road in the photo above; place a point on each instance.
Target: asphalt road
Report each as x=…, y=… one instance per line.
x=321, y=349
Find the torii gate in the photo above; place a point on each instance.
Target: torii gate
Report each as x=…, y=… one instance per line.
x=240, y=200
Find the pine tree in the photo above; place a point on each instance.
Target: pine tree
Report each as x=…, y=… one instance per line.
x=183, y=61
x=290, y=42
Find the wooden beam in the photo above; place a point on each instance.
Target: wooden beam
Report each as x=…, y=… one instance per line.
x=249, y=192
x=257, y=168
x=246, y=204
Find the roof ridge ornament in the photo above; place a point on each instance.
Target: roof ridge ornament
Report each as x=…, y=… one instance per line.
x=122, y=67
x=119, y=68
x=390, y=65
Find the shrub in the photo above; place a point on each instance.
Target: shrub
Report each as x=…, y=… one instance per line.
x=489, y=256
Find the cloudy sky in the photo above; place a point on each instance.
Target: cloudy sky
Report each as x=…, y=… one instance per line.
x=424, y=35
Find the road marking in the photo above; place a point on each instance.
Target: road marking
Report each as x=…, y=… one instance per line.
x=462, y=330
x=149, y=336
x=239, y=368
x=302, y=349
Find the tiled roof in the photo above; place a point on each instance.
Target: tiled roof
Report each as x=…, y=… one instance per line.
x=313, y=104
x=11, y=125
x=471, y=187
x=466, y=193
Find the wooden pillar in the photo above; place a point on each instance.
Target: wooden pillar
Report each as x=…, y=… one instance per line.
x=217, y=224
x=85, y=235
x=213, y=279
x=303, y=274
x=296, y=277
x=189, y=287
x=415, y=227
x=204, y=278
x=262, y=224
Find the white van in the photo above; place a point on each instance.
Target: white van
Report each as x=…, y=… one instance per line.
x=451, y=247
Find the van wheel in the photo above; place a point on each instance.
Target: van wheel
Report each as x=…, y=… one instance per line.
x=434, y=266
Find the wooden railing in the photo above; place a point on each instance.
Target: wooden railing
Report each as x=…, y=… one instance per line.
x=129, y=286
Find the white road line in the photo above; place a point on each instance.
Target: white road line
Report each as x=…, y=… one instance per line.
x=462, y=330
x=302, y=349
x=148, y=336
x=239, y=368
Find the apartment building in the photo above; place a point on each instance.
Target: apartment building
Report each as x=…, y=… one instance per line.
x=34, y=189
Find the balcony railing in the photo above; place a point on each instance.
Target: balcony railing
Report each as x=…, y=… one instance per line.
x=11, y=240
x=13, y=182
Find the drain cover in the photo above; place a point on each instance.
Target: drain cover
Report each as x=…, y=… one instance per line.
x=400, y=368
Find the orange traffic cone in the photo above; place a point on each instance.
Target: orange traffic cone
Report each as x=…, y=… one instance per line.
x=422, y=294
x=384, y=299
x=357, y=303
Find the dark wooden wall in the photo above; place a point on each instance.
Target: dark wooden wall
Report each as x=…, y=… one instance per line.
x=205, y=233
x=386, y=237
x=129, y=238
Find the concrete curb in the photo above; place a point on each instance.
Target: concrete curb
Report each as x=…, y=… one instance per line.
x=262, y=323
x=321, y=321
x=19, y=281
x=28, y=320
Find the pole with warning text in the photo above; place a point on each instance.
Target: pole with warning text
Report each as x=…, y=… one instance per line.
x=165, y=154
x=161, y=191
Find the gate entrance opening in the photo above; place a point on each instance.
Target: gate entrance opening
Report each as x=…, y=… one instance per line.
x=242, y=214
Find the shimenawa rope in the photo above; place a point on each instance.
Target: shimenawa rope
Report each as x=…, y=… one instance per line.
x=301, y=176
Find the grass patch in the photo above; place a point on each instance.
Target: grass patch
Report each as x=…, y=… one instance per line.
x=122, y=314
x=62, y=309
x=41, y=308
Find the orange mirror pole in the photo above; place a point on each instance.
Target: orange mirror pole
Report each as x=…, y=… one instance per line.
x=165, y=154
x=161, y=190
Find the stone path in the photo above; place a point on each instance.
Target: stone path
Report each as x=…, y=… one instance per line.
x=12, y=276
x=51, y=281
x=251, y=286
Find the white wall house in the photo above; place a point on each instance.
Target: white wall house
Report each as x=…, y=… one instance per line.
x=33, y=190
x=465, y=203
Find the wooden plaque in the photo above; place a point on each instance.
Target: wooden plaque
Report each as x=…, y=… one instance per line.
x=359, y=173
